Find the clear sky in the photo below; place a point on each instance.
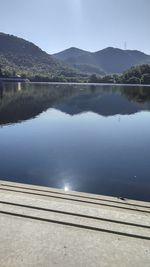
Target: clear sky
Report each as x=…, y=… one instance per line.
x=55, y=25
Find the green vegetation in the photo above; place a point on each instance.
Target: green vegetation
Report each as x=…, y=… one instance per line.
x=138, y=74
x=101, y=79
x=22, y=58
x=135, y=75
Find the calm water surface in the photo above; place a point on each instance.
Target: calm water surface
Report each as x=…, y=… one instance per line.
x=84, y=137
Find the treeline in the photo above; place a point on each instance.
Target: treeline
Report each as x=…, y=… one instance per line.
x=33, y=76
x=135, y=75
x=7, y=73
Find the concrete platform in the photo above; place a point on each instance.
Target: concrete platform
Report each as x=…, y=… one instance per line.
x=45, y=227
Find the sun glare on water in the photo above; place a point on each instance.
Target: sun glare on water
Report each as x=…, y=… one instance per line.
x=66, y=188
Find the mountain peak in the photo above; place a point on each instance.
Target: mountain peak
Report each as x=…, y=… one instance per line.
x=17, y=54
x=107, y=60
x=70, y=52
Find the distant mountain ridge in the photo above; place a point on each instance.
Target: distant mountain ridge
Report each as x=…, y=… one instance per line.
x=17, y=54
x=106, y=61
x=21, y=57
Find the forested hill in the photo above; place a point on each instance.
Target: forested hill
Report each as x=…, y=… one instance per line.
x=109, y=60
x=20, y=57
x=26, y=59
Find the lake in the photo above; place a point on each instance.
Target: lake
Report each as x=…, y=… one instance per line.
x=89, y=138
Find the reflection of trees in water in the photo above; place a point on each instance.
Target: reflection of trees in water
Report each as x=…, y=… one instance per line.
x=47, y=93
x=25, y=101
x=20, y=102
x=1, y=91
x=7, y=90
x=138, y=94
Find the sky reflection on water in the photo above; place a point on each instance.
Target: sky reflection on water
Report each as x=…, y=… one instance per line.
x=92, y=140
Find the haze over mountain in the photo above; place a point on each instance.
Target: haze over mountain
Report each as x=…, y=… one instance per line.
x=17, y=54
x=106, y=61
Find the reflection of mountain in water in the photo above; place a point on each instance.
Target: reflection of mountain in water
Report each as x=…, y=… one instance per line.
x=20, y=102
x=26, y=101
x=102, y=104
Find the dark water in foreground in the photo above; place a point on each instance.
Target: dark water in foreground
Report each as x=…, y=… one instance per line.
x=85, y=138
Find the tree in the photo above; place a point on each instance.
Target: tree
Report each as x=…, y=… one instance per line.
x=107, y=79
x=134, y=80
x=145, y=78
x=1, y=73
x=14, y=73
x=93, y=78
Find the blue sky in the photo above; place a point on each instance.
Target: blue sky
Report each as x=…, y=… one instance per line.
x=55, y=25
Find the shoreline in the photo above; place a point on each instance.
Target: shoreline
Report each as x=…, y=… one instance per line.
x=14, y=80
x=71, y=83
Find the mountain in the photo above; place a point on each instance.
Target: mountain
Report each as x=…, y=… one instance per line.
x=28, y=60
x=23, y=57
x=109, y=60
x=82, y=60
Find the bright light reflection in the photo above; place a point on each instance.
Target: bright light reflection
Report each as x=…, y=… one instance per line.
x=19, y=86
x=66, y=188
